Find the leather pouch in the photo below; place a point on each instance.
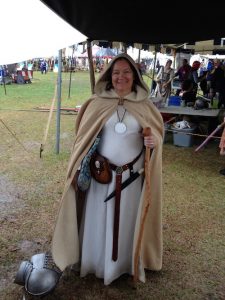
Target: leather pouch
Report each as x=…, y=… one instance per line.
x=100, y=168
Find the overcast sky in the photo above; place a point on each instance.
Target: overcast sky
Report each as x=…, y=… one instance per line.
x=29, y=29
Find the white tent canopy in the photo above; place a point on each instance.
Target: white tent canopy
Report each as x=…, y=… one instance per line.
x=29, y=29
x=134, y=53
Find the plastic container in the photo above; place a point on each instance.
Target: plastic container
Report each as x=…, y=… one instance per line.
x=182, y=138
x=174, y=101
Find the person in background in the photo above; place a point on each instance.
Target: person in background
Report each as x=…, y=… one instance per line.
x=183, y=73
x=193, y=75
x=157, y=67
x=222, y=148
x=210, y=65
x=203, y=84
x=218, y=82
x=143, y=67
x=138, y=65
x=24, y=68
x=187, y=93
x=43, y=67
x=209, y=91
x=163, y=79
x=202, y=68
x=109, y=238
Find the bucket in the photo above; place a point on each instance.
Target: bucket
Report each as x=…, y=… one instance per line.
x=181, y=138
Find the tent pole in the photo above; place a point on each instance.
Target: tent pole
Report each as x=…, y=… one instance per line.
x=174, y=58
x=71, y=62
x=125, y=48
x=59, y=83
x=139, y=55
x=91, y=66
x=153, y=74
x=4, y=84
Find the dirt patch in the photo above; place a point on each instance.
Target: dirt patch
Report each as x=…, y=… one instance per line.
x=30, y=145
x=10, y=198
x=11, y=202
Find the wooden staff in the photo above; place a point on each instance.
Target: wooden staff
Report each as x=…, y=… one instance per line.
x=171, y=119
x=91, y=67
x=48, y=123
x=146, y=132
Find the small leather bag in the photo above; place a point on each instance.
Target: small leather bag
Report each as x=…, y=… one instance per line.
x=100, y=168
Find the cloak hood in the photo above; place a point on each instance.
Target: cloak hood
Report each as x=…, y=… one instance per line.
x=105, y=78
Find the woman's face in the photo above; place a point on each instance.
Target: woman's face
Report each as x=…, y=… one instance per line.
x=169, y=63
x=122, y=77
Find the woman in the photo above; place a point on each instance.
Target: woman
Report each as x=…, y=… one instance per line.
x=218, y=82
x=119, y=111
x=163, y=79
x=193, y=76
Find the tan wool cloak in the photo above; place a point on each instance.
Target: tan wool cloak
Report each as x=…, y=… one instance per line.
x=147, y=246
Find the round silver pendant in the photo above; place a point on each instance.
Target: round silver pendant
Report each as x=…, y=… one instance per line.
x=120, y=127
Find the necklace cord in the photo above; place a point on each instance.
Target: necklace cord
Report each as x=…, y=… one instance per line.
x=120, y=120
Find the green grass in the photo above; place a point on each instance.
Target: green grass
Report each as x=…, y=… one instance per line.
x=193, y=203
x=41, y=91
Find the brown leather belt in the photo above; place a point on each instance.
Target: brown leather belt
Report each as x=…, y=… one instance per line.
x=119, y=170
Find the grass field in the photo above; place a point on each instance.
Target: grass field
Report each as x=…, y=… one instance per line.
x=31, y=187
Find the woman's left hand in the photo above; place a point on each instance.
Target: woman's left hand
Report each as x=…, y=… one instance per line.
x=149, y=141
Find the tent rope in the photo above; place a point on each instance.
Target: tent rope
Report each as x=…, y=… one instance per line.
x=13, y=134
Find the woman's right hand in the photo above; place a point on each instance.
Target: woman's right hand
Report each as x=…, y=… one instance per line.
x=149, y=141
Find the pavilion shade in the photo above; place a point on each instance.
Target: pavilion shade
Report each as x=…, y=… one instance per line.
x=148, y=22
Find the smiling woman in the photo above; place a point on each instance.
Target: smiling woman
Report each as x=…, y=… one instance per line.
x=111, y=238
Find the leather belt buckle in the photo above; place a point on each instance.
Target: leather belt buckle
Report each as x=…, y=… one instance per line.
x=119, y=170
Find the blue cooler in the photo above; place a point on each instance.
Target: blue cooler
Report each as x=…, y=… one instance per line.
x=174, y=101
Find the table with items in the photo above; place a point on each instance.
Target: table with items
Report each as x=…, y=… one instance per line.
x=195, y=117
x=190, y=111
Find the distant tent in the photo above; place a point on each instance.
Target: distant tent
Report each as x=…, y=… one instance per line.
x=95, y=49
x=100, y=52
x=105, y=53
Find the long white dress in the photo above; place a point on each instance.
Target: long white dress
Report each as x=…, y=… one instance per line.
x=96, y=233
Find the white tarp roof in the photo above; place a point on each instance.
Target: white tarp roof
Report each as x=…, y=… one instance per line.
x=29, y=29
x=134, y=53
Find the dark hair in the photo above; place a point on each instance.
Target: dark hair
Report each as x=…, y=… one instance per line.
x=108, y=76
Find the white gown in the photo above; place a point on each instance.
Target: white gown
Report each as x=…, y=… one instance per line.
x=96, y=233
